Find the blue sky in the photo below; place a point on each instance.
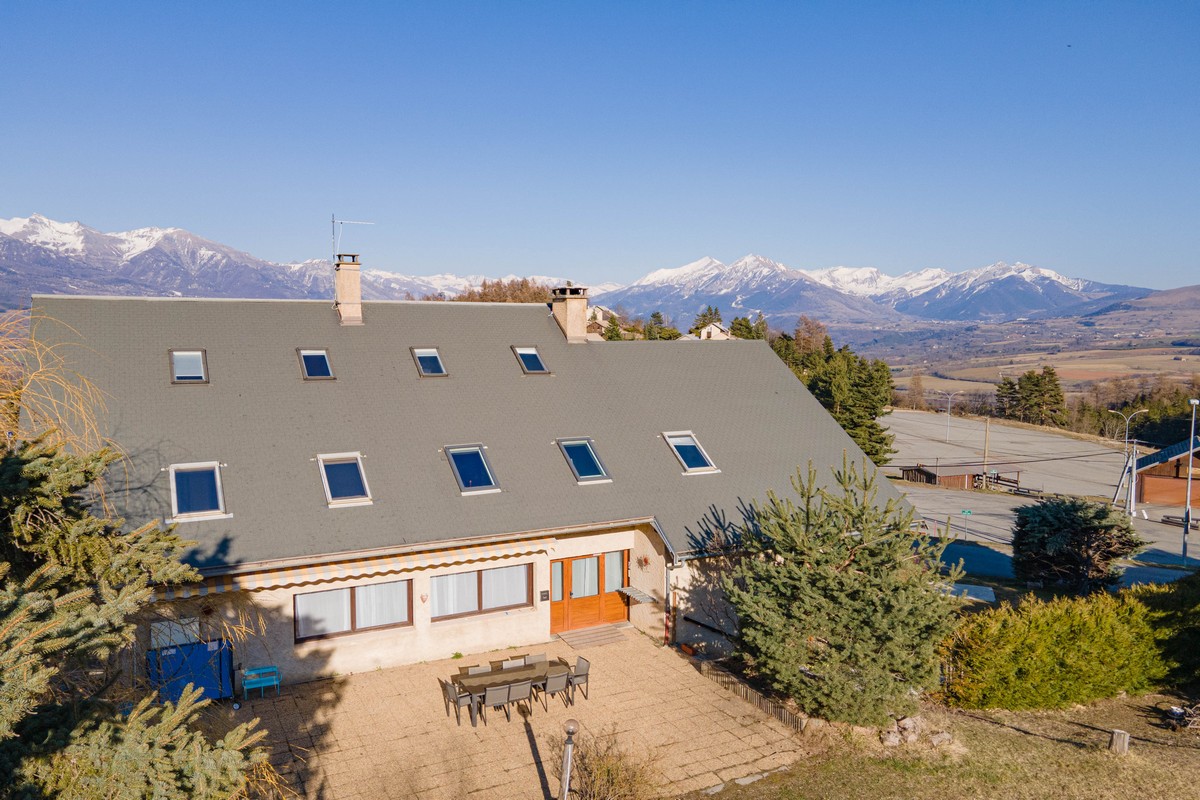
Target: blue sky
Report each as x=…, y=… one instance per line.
x=599, y=141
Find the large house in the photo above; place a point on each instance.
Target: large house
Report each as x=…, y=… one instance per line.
x=394, y=482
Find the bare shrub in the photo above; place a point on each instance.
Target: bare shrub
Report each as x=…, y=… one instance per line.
x=603, y=770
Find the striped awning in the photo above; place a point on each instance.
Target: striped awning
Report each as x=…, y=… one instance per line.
x=356, y=568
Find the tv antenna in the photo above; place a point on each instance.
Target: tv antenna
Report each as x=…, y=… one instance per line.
x=335, y=232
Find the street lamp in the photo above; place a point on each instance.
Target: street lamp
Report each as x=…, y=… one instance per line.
x=1187, y=510
x=571, y=727
x=1130, y=472
x=949, y=400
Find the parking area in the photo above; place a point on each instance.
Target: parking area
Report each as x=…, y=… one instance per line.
x=386, y=734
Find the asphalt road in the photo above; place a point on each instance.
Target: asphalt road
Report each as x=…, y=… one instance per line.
x=1049, y=462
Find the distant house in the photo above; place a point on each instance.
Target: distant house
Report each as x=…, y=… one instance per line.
x=392, y=482
x=1162, y=476
x=713, y=330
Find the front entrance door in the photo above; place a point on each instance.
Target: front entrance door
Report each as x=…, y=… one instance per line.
x=583, y=590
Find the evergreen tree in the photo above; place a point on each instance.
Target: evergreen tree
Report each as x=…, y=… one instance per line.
x=657, y=328
x=743, y=328
x=1006, y=398
x=706, y=317
x=612, y=331
x=855, y=391
x=1072, y=543
x=1040, y=398
x=838, y=606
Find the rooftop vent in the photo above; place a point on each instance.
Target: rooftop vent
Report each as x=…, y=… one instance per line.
x=347, y=289
x=570, y=307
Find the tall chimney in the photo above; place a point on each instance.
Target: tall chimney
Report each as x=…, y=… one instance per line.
x=570, y=307
x=347, y=289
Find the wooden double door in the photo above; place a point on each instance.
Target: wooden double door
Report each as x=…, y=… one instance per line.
x=583, y=590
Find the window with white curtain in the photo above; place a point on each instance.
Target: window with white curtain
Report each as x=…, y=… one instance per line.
x=506, y=586
x=322, y=613
x=585, y=577
x=381, y=604
x=339, y=611
x=483, y=590
x=614, y=570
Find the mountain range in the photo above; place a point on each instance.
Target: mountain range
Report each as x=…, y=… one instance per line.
x=41, y=255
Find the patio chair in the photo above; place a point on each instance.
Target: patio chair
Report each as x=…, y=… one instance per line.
x=535, y=658
x=454, y=696
x=556, y=684
x=513, y=662
x=479, y=669
x=495, y=697
x=518, y=692
x=580, y=676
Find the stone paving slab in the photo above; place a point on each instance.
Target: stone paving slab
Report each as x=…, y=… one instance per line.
x=385, y=734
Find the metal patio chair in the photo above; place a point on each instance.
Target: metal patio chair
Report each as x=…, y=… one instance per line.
x=454, y=696
x=495, y=697
x=556, y=684
x=479, y=669
x=518, y=693
x=580, y=677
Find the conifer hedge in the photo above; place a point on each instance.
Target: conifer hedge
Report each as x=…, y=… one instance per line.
x=1052, y=654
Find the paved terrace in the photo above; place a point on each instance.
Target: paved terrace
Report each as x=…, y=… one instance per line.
x=385, y=734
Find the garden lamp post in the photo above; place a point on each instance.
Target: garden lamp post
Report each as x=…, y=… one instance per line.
x=949, y=400
x=571, y=727
x=1130, y=472
x=1187, y=508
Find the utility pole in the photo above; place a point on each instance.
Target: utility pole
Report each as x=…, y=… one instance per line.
x=1130, y=465
x=949, y=401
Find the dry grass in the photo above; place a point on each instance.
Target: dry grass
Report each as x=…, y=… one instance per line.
x=1004, y=754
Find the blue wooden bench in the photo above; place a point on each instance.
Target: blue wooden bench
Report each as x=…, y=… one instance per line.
x=259, y=678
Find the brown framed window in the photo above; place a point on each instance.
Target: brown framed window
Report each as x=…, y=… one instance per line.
x=463, y=594
x=352, y=609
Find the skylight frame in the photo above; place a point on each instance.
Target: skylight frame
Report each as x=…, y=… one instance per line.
x=301, y=352
x=709, y=469
x=587, y=442
x=349, y=500
x=174, y=373
x=465, y=490
x=520, y=350
x=424, y=352
x=219, y=512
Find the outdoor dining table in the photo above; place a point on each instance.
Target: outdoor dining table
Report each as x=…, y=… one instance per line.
x=476, y=685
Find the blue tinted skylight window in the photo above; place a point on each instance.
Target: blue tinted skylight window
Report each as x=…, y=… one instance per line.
x=471, y=469
x=428, y=361
x=582, y=458
x=196, y=490
x=689, y=452
x=315, y=364
x=531, y=360
x=345, y=483
x=187, y=366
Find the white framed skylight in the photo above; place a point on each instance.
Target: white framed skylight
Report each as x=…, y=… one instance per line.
x=344, y=480
x=188, y=366
x=530, y=360
x=429, y=362
x=580, y=453
x=315, y=365
x=689, y=452
x=471, y=469
x=196, y=492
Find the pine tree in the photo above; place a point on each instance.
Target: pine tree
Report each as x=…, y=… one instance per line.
x=743, y=328
x=1072, y=543
x=838, y=606
x=705, y=318
x=855, y=391
x=1007, y=398
x=612, y=331
x=657, y=328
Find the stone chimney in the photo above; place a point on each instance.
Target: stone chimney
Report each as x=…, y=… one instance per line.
x=347, y=289
x=570, y=307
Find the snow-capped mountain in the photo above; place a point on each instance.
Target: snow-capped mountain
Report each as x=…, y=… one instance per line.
x=38, y=254
x=870, y=282
x=1003, y=291
x=749, y=286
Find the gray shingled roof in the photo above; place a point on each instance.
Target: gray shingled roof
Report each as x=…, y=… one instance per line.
x=257, y=416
